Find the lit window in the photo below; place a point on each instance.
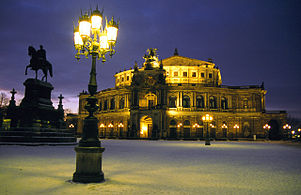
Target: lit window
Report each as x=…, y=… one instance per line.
x=175, y=74
x=167, y=73
x=184, y=74
x=193, y=74
x=202, y=74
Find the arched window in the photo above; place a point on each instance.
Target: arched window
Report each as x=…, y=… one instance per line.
x=121, y=103
x=172, y=102
x=224, y=103
x=173, y=122
x=151, y=100
x=187, y=122
x=105, y=105
x=186, y=101
x=199, y=101
x=212, y=102
x=112, y=104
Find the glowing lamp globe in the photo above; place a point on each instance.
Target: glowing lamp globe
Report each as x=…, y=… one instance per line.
x=103, y=42
x=78, y=41
x=112, y=33
x=84, y=26
x=96, y=20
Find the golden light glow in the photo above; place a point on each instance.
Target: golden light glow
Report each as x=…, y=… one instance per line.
x=180, y=125
x=196, y=125
x=299, y=130
x=143, y=130
x=112, y=33
x=293, y=132
x=84, y=27
x=96, y=21
x=102, y=125
x=267, y=126
x=224, y=126
x=78, y=41
x=207, y=118
x=287, y=126
x=120, y=125
x=110, y=125
x=211, y=125
x=236, y=126
x=94, y=37
x=103, y=41
x=71, y=126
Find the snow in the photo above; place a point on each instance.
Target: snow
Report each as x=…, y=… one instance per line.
x=157, y=167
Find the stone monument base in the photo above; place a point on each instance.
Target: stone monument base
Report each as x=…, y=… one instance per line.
x=88, y=165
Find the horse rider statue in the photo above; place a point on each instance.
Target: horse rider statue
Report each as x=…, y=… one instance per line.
x=38, y=61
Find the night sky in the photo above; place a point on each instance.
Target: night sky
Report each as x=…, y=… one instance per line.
x=251, y=41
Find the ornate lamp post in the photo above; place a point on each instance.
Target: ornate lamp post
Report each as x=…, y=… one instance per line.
x=287, y=127
x=207, y=119
x=236, y=127
x=179, y=135
x=91, y=38
x=225, y=130
x=266, y=128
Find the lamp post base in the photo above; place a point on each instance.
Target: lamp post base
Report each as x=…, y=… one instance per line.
x=207, y=142
x=88, y=165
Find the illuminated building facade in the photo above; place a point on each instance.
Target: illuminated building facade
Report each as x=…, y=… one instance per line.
x=166, y=100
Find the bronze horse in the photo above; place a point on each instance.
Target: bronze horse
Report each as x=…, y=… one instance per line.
x=38, y=61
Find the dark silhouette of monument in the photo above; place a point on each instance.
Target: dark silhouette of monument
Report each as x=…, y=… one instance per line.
x=36, y=120
x=38, y=61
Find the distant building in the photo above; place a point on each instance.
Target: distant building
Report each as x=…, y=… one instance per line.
x=167, y=99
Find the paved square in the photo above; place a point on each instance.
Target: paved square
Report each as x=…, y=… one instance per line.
x=157, y=167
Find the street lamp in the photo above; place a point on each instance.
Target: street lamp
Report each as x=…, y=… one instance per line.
x=287, y=127
x=236, y=127
x=179, y=130
x=225, y=130
x=92, y=38
x=207, y=119
x=267, y=128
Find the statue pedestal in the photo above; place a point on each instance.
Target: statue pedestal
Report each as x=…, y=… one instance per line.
x=88, y=165
x=37, y=93
x=37, y=104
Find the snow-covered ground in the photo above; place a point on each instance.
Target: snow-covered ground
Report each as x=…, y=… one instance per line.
x=157, y=167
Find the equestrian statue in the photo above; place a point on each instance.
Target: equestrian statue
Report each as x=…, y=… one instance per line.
x=38, y=61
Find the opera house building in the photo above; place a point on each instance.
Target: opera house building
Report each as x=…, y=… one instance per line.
x=167, y=99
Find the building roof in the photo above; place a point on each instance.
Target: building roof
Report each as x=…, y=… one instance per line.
x=185, y=61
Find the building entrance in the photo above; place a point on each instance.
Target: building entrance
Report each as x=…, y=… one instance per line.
x=146, y=127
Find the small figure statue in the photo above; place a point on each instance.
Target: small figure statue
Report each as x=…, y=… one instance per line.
x=38, y=61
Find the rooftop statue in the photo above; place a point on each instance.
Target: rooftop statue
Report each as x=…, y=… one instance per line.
x=38, y=61
x=151, y=59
